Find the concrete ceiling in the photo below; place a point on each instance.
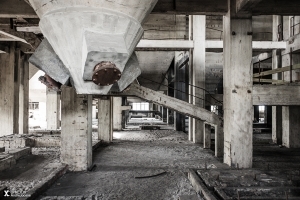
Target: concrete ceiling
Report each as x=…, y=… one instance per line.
x=21, y=8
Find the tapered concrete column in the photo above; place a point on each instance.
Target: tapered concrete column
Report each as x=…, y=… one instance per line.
x=199, y=29
x=117, y=113
x=238, y=106
x=207, y=136
x=76, y=131
x=276, y=63
x=7, y=61
x=105, y=130
x=52, y=109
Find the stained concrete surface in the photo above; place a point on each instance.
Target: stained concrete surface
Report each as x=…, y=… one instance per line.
x=134, y=154
x=275, y=174
x=29, y=171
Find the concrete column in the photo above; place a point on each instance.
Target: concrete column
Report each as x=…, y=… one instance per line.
x=18, y=69
x=199, y=29
x=117, y=113
x=276, y=63
x=238, y=82
x=52, y=109
x=191, y=100
x=291, y=128
x=104, y=119
x=7, y=61
x=207, y=136
x=76, y=131
x=25, y=85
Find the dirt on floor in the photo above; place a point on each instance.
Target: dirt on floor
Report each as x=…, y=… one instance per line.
x=122, y=167
x=30, y=171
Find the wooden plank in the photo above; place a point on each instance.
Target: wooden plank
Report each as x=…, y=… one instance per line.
x=278, y=70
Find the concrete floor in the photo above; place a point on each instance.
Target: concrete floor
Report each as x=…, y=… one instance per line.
x=134, y=154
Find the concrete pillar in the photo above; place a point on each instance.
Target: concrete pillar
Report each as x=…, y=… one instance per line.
x=7, y=62
x=17, y=77
x=290, y=114
x=105, y=130
x=52, y=109
x=21, y=93
x=291, y=128
x=191, y=100
x=76, y=129
x=117, y=113
x=207, y=136
x=276, y=63
x=25, y=96
x=199, y=29
x=238, y=82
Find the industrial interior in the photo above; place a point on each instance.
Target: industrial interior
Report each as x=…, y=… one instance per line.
x=150, y=99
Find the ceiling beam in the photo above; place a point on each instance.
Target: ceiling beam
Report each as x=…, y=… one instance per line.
x=210, y=44
x=29, y=39
x=266, y=95
x=191, y=7
x=22, y=9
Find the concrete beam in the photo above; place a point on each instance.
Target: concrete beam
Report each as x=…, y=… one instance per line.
x=209, y=44
x=174, y=104
x=266, y=95
x=16, y=9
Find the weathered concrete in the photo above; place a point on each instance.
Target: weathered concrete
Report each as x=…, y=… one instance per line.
x=117, y=23
x=175, y=104
x=7, y=91
x=76, y=131
x=105, y=124
x=21, y=93
x=238, y=106
x=290, y=114
x=48, y=61
x=276, y=63
x=117, y=113
x=199, y=27
x=207, y=136
x=290, y=126
x=52, y=109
